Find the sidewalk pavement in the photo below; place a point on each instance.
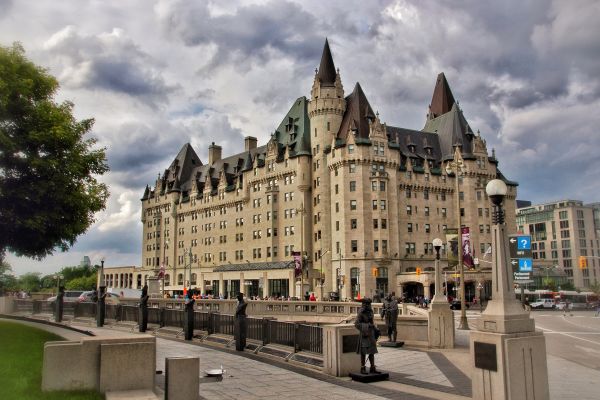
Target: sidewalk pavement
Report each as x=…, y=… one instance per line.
x=415, y=374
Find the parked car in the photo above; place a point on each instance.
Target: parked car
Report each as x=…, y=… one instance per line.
x=71, y=296
x=455, y=305
x=542, y=303
x=111, y=298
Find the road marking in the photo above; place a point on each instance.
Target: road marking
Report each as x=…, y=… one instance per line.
x=574, y=333
x=567, y=335
x=587, y=349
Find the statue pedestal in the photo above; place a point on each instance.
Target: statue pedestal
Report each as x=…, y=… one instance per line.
x=368, y=378
x=391, y=344
x=509, y=366
x=441, y=326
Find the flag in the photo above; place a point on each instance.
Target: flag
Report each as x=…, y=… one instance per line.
x=452, y=246
x=297, y=263
x=466, y=248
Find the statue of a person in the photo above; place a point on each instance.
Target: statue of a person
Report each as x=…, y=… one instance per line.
x=59, y=304
x=240, y=327
x=143, y=325
x=367, y=337
x=390, y=312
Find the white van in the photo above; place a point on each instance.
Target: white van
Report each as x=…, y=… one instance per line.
x=542, y=303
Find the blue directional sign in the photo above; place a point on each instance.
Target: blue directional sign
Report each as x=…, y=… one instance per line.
x=525, y=265
x=523, y=242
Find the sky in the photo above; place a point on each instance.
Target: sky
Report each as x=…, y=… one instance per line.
x=158, y=74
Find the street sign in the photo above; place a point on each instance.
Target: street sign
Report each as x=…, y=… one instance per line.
x=522, y=277
x=520, y=246
x=525, y=265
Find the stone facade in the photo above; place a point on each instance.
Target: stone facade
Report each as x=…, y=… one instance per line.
x=360, y=199
x=562, y=232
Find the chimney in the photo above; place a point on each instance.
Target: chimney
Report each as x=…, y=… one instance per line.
x=249, y=143
x=214, y=153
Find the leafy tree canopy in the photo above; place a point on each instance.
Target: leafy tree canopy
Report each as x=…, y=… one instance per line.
x=8, y=281
x=48, y=188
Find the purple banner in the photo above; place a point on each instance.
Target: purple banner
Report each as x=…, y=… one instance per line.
x=466, y=248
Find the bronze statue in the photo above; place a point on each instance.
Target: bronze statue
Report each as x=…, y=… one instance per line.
x=58, y=307
x=240, y=327
x=368, y=335
x=390, y=313
x=143, y=318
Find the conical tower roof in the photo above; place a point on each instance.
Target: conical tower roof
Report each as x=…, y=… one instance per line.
x=357, y=115
x=442, y=100
x=326, y=74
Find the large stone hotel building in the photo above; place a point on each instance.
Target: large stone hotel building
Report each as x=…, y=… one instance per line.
x=361, y=200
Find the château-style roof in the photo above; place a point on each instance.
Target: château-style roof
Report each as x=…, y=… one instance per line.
x=445, y=128
x=358, y=114
x=442, y=99
x=452, y=130
x=327, y=71
x=292, y=135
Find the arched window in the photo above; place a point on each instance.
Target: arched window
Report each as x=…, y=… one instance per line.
x=193, y=282
x=180, y=279
x=167, y=279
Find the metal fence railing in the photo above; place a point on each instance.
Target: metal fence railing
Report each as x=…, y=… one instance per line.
x=300, y=337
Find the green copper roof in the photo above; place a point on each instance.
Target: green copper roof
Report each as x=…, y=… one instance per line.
x=294, y=130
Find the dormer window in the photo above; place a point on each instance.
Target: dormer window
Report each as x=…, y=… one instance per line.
x=411, y=148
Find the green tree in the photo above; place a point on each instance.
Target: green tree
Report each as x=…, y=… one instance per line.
x=82, y=283
x=48, y=188
x=30, y=282
x=8, y=281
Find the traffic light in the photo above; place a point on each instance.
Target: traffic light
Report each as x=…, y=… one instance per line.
x=582, y=262
x=375, y=272
x=418, y=271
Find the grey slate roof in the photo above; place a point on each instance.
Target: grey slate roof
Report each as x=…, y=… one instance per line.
x=357, y=115
x=327, y=71
x=255, y=266
x=453, y=130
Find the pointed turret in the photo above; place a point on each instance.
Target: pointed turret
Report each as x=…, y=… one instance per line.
x=326, y=74
x=358, y=114
x=442, y=100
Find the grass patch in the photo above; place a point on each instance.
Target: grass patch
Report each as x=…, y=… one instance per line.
x=21, y=357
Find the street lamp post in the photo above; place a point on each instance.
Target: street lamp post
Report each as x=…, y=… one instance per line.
x=301, y=211
x=480, y=289
x=457, y=167
x=321, y=280
x=438, y=297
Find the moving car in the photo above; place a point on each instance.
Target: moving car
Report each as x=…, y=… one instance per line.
x=71, y=296
x=542, y=303
x=111, y=298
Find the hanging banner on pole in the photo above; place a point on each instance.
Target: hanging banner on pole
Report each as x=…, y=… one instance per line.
x=466, y=248
x=452, y=246
x=297, y=263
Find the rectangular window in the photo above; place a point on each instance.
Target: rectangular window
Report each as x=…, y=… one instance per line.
x=382, y=204
x=375, y=224
x=374, y=186
x=374, y=204
x=383, y=223
x=408, y=210
x=353, y=223
x=376, y=246
x=352, y=168
x=352, y=186
x=354, y=246
x=353, y=205
x=409, y=227
x=382, y=186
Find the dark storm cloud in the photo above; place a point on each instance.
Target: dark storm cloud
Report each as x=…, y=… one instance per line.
x=108, y=61
x=122, y=239
x=251, y=33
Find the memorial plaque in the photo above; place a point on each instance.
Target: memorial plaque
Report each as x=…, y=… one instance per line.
x=485, y=356
x=349, y=343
